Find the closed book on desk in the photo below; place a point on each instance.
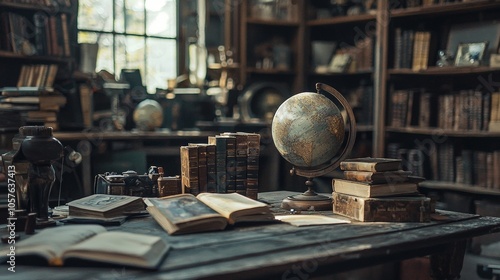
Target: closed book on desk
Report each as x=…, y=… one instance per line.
x=378, y=177
x=86, y=245
x=105, y=206
x=386, y=209
x=364, y=189
x=371, y=164
x=186, y=213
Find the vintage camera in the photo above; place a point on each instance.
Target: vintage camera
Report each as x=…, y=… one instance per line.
x=127, y=183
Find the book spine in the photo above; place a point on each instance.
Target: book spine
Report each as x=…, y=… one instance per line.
x=386, y=210
x=220, y=161
x=241, y=164
x=231, y=164
x=358, y=166
x=253, y=152
x=189, y=169
x=211, y=169
x=202, y=168
x=170, y=185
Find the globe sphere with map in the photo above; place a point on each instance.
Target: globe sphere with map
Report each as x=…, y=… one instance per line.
x=308, y=130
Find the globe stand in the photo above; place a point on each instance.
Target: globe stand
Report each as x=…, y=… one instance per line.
x=308, y=200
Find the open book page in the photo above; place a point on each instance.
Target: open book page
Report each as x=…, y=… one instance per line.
x=184, y=213
x=123, y=248
x=181, y=208
x=50, y=243
x=234, y=205
x=310, y=220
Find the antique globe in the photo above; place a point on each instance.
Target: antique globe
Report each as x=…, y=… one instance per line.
x=148, y=115
x=311, y=133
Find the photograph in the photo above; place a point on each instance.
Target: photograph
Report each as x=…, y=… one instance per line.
x=470, y=54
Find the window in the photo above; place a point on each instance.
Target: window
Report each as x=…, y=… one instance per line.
x=132, y=34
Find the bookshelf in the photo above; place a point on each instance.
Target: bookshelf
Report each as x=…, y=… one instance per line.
x=439, y=118
x=272, y=43
x=37, y=50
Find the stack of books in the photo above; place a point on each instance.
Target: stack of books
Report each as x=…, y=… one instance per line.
x=228, y=163
x=378, y=190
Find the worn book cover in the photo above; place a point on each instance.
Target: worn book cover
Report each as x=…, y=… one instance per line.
x=186, y=213
x=378, y=177
x=387, y=209
x=105, y=206
x=189, y=169
x=79, y=245
x=363, y=189
x=371, y=164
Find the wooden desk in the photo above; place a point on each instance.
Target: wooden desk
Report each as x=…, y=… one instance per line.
x=281, y=251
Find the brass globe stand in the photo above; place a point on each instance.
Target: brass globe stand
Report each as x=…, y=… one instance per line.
x=310, y=200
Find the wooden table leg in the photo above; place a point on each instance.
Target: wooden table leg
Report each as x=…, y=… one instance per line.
x=448, y=263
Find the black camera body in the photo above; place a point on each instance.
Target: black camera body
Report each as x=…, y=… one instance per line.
x=127, y=183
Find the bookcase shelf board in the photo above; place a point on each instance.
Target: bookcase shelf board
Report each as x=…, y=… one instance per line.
x=443, y=9
x=17, y=56
x=30, y=7
x=357, y=73
x=452, y=70
x=341, y=19
x=439, y=131
x=284, y=23
x=451, y=186
x=270, y=71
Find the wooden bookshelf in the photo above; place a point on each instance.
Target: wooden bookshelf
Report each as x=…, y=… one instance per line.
x=451, y=186
x=447, y=132
x=445, y=9
x=450, y=70
x=341, y=20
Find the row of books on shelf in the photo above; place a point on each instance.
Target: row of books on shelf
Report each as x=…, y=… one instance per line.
x=411, y=49
x=40, y=34
x=379, y=190
x=469, y=110
x=448, y=163
x=227, y=163
x=40, y=76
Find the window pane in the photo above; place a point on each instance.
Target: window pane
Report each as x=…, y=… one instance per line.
x=134, y=17
x=119, y=16
x=105, y=53
x=161, y=18
x=95, y=15
x=161, y=63
x=129, y=53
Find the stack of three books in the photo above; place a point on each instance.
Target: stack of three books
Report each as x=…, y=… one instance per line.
x=378, y=190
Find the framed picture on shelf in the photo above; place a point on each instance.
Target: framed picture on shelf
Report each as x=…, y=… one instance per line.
x=470, y=54
x=339, y=63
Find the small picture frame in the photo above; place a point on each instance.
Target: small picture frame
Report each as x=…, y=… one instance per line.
x=470, y=54
x=339, y=63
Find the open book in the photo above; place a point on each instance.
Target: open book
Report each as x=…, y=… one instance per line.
x=83, y=244
x=185, y=213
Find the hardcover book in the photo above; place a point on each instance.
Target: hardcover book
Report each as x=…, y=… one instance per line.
x=378, y=177
x=105, y=206
x=189, y=169
x=76, y=245
x=388, y=209
x=186, y=213
x=371, y=164
x=363, y=189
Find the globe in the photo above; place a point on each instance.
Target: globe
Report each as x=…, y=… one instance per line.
x=309, y=131
x=148, y=115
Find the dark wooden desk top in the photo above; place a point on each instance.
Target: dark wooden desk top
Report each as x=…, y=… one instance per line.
x=282, y=251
